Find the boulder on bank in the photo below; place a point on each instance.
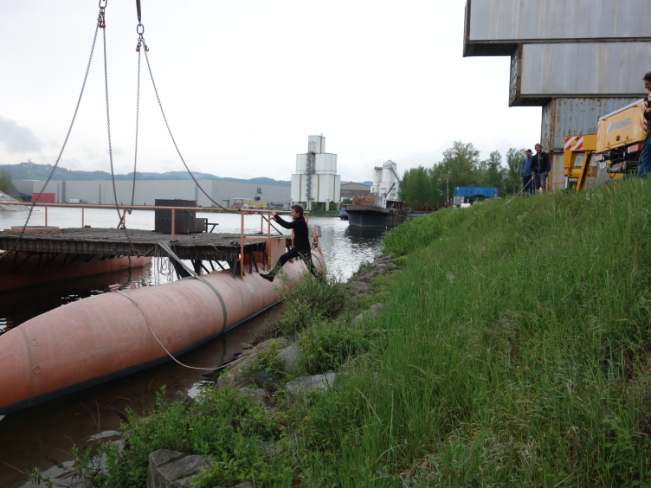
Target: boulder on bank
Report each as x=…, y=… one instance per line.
x=239, y=372
x=371, y=312
x=307, y=384
x=171, y=469
x=290, y=358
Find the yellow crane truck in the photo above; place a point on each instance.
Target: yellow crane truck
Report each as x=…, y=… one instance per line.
x=610, y=153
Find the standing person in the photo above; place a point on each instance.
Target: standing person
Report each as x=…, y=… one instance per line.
x=526, y=174
x=645, y=158
x=541, y=166
x=301, y=247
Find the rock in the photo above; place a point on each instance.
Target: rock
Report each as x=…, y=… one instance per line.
x=266, y=380
x=307, y=384
x=266, y=345
x=290, y=357
x=360, y=288
x=180, y=397
x=393, y=267
x=245, y=345
x=357, y=362
x=258, y=394
x=371, y=312
x=270, y=449
x=171, y=469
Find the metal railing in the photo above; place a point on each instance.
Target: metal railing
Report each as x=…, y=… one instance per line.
x=124, y=208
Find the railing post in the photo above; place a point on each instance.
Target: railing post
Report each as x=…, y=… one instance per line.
x=46, y=216
x=241, y=244
x=268, y=240
x=82, y=217
x=261, y=222
x=173, y=221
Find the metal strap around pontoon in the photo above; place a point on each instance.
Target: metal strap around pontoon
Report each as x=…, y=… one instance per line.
x=166, y=247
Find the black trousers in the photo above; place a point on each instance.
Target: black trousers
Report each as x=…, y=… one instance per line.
x=294, y=252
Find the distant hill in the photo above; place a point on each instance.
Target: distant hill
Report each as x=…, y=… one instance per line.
x=33, y=171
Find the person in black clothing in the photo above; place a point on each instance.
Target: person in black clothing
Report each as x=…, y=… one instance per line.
x=541, y=167
x=301, y=247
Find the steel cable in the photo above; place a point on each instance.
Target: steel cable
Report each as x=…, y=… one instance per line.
x=122, y=223
x=65, y=142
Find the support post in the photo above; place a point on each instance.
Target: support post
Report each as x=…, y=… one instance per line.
x=82, y=217
x=173, y=220
x=268, y=240
x=241, y=244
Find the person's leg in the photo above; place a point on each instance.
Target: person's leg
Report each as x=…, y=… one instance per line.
x=536, y=182
x=527, y=184
x=292, y=253
x=307, y=256
x=543, y=182
x=644, y=166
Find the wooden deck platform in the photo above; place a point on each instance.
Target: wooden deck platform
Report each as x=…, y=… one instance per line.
x=113, y=242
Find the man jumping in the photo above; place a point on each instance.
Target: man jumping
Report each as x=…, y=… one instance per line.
x=301, y=243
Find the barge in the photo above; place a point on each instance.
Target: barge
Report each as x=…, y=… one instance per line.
x=117, y=333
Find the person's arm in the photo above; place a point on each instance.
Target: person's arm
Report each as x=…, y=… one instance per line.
x=284, y=223
x=522, y=170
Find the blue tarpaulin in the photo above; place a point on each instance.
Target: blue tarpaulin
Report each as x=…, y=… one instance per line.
x=475, y=191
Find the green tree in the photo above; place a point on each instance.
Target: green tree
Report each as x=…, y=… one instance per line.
x=514, y=159
x=461, y=162
x=490, y=172
x=415, y=186
x=6, y=180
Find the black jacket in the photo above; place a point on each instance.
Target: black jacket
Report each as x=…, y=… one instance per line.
x=301, y=239
x=540, y=163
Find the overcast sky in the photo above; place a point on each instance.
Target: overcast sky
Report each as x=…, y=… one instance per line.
x=243, y=84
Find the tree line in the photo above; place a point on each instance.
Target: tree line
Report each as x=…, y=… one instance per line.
x=462, y=166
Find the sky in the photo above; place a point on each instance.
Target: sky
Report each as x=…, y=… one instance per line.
x=243, y=84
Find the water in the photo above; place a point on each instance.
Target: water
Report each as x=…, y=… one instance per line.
x=30, y=437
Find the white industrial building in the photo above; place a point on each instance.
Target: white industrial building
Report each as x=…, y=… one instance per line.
x=386, y=181
x=226, y=193
x=316, y=180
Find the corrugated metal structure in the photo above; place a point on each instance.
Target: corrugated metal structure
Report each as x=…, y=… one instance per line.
x=543, y=71
x=579, y=60
x=496, y=27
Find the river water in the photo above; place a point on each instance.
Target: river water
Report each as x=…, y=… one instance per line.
x=40, y=435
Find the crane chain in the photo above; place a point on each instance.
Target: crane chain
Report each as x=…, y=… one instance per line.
x=122, y=224
x=135, y=158
x=169, y=130
x=65, y=142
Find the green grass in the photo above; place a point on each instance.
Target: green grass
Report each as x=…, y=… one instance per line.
x=513, y=352
x=517, y=353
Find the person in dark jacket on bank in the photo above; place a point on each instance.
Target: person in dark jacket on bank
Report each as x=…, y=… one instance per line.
x=526, y=176
x=645, y=157
x=541, y=167
x=301, y=247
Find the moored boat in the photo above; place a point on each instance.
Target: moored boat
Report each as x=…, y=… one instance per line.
x=107, y=336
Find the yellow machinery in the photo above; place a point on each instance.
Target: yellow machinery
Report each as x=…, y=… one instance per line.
x=577, y=160
x=609, y=154
x=620, y=136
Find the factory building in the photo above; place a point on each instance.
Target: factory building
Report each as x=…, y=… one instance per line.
x=316, y=183
x=576, y=60
x=386, y=181
x=226, y=193
x=350, y=189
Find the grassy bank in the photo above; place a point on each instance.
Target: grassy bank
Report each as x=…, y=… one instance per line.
x=518, y=353
x=513, y=351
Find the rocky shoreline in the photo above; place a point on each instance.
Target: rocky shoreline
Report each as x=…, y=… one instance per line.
x=268, y=369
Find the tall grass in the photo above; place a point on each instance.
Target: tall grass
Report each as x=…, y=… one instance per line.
x=517, y=353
